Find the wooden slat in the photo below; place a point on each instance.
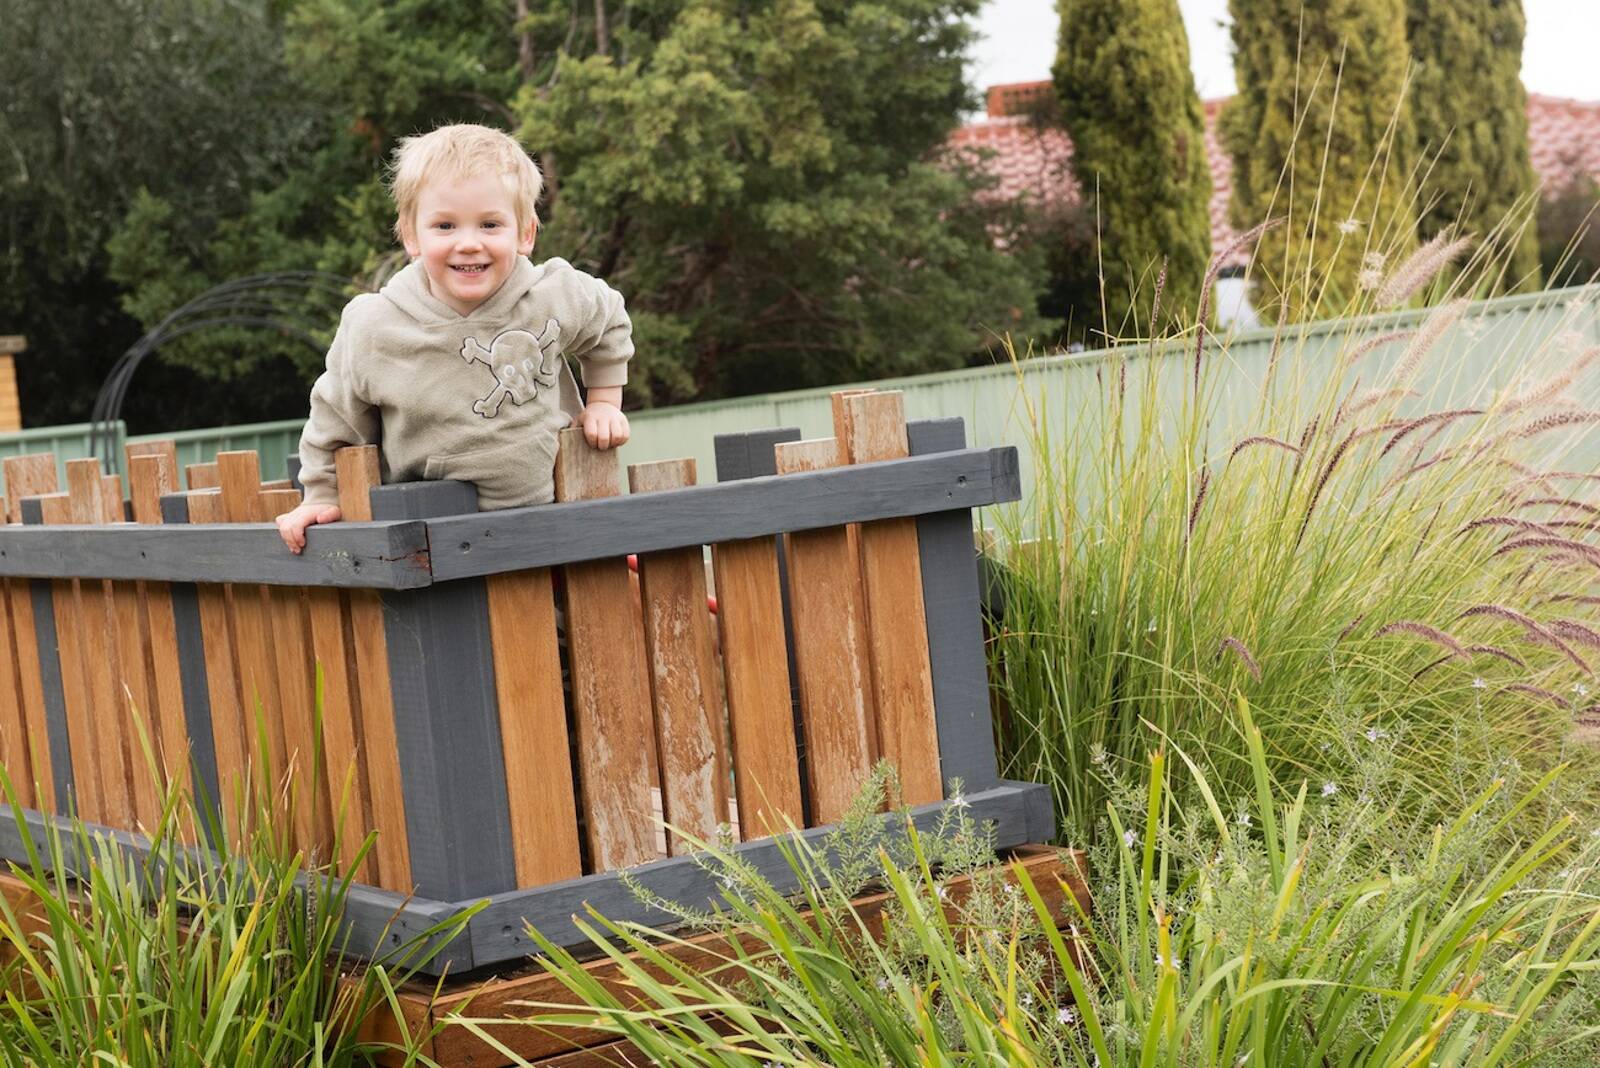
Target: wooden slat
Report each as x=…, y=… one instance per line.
x=56, y=509
x=29, y=476
x=350, y=797
x=202, y=476
x=684, y=686
x=610, y=683
x=240, y=474
x=112, y=740
x=152, y=473
x=766, y=766
x=533, y=727
x=875, y=429
x=13, y=722
x=304, y=766
x=228, y=721
x=372, y=725
x=828, y=612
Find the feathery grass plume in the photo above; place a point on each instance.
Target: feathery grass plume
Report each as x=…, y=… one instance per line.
x=1422, y=630
x=1572, y=598
x=1199, y=500
x=1495, y=650
x=1569, y=545
x=1536, y=691
x=1309, y=432
x=1400, y=476
x=1322, y=479
x=1371, y=343
x=1419, y=268
x=1261, y=439
x=1555, y=386
x=1574, y=631
x=1155, y=301
x=1349, y=628
x=1211, y=277
x=1534, y=629
x=1438, y=420
x=1556, y=421
x=1433, y=328
x=1516, y=523
x=1243, y=653
x=1378, y=396
x=1561, y=502
x=1430, y=665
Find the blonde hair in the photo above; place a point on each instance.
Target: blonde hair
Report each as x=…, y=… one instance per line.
x=462, y=151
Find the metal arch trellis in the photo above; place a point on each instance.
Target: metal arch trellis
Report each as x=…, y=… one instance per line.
x=256, y=300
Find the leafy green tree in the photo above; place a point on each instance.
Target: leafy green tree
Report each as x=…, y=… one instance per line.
x=1569, y=232
x=1322, y=137
x=188, y=99
x=1471, y=115
x=761, y=179
x=1129, y=104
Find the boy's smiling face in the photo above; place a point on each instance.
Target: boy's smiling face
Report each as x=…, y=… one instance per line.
x=466, y=234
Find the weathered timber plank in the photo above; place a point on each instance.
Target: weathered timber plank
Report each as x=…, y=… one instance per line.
x=370, y=555
x=685, y=688
x=14, y=755
x=373, y=717
x=184, y=608
x=97, y=633
x=520, y=538
x=28, y=476
x=533, y=727
x=87, y=793
x=610, y=679
x=498, y=932
x=229, y=724
x=447, y=725
x=829, y=629
x=952, y=602
x=892, y=582
x=766, y=767
x=202, y=476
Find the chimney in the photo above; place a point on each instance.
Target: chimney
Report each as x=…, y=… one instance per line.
x=1020, y=98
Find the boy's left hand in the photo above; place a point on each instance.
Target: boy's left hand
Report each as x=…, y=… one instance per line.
x=604, y=425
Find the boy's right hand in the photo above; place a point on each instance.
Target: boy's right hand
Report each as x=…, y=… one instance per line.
x=292, y=525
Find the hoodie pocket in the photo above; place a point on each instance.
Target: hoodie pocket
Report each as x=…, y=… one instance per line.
x=507, y=476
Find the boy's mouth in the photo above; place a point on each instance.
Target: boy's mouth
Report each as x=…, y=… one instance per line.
x=469, y=268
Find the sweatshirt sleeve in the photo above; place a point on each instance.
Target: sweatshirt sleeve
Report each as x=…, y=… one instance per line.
x=604, y=343
x=340, y=416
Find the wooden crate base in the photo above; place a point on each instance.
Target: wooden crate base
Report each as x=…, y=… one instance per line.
x=1053, y=871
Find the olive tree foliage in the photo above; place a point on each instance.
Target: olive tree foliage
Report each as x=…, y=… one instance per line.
x=1321, y=136
x=1471, y=115
x=1129, y=104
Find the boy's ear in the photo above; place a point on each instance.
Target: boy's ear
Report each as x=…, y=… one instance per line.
x=408, y=238
x=529, y=233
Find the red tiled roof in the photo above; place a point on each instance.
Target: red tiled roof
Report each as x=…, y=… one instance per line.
x=1034, y=160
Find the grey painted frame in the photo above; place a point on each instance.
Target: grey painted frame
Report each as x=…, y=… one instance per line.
x=193, y=681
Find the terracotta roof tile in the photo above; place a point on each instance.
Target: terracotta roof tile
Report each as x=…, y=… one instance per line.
x=1030, y=160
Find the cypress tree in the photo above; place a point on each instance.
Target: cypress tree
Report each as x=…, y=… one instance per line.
x=1321, y=137
x=1472, y=114
x=1129, y=104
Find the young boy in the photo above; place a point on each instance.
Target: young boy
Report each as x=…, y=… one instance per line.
x=456, y=368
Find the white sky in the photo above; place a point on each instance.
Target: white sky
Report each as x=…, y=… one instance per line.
x=1018, y=44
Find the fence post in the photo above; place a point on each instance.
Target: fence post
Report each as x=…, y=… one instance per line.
x=447, y=718
x=952, y=608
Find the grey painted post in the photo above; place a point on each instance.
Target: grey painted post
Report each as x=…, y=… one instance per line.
x=952, y=605
x=55, y=704
x=753, y=454
x=192, y=679
x=447, y=718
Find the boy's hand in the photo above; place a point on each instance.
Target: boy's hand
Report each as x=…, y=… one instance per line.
x=292, y=525
x=604, y=425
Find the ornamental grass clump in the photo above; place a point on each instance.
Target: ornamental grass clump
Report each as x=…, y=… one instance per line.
x=184, y=955
x=1391, y=522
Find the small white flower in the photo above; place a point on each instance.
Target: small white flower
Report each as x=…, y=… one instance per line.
x=959, y=800
x=883, y=982
x=1479, y=683
x=1013, y=890
x=1363, y=797
x=942, y=893
x=1129, y=838
x=1026, y=1001
x=1329, y=789
x=1595, y=833
x=1151, y=627
x=1349, y=226
x=1066, y=1016
x=1374, y=733
x=1161, y=962
x=1580, y=689
x=1242, y=819
x=1564, y=873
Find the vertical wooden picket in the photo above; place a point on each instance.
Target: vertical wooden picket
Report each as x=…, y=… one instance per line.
x=875, y=429
x=610, y=683
x=830, y=648
x=228, y=722
x=684, y=687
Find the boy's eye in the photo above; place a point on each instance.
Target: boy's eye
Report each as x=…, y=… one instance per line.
x=444, y=226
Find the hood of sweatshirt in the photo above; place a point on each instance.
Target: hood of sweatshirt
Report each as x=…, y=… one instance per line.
x=408, y=291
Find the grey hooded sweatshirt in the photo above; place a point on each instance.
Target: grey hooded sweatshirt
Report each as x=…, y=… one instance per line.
x=478, y=397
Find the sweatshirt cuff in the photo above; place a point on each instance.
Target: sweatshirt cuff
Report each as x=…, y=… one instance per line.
x=605, y=374
x=321, y=495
